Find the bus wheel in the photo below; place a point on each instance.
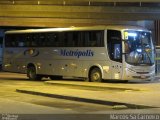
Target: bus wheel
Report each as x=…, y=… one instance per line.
x=31, y=73
x=95, y=75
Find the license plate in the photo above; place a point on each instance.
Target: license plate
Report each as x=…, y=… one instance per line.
x=143, y=77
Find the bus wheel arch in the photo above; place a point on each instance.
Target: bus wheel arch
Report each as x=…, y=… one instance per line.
x=32, y=72
x=95, y=74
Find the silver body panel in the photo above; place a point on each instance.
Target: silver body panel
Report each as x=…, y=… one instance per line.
x=74, y=61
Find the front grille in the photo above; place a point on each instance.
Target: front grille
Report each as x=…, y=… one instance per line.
x=143, y=72
x=140, y=77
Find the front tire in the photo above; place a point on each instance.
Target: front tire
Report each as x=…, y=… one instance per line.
x=95, y=75
x=31, y=73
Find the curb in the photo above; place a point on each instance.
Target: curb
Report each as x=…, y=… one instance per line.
x=113, y=105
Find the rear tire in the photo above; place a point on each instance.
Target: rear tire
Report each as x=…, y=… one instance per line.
x=95, y=75
x=31, y=73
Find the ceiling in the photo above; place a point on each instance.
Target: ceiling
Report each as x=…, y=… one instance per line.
x=55, y=13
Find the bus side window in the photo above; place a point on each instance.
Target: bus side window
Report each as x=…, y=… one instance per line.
x=93, y=38
x=21, y=40
x=13, y=41
x=7, y=40
x=76, y=39
x=69, y=39
x=41, y=40
x=86, y=38
x=97, y=38
x=52, y=40
x=55, y=41
x=28, y=39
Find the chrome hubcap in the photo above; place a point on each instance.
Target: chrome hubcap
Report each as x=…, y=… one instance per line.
x=96, y=76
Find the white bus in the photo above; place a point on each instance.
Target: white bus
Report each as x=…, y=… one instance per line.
x=96, y=53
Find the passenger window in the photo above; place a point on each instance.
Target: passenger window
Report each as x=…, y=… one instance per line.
x=69, y=40
x=93, y=38
x=114, y=44
x=72, y=39
x=53, y=40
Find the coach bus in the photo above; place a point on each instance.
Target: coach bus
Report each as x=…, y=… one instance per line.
x=95, y=53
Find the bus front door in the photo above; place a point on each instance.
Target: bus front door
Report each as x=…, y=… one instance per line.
x=117, y=66
x=116, y=70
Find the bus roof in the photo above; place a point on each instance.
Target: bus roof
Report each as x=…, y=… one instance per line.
x=114, y=27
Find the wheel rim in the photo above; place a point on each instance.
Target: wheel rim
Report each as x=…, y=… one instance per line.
x=32, y=73
x=96, y=76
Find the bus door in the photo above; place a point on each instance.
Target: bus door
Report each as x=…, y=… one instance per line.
x=114, y=44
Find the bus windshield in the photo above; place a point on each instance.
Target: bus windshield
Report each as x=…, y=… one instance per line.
x=139, y=49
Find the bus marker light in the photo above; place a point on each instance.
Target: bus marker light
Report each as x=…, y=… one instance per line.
x=106, y=68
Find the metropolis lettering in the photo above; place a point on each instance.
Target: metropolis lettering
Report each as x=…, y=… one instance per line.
x=77, y=53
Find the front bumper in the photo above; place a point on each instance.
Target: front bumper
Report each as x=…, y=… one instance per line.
x=138, y=75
